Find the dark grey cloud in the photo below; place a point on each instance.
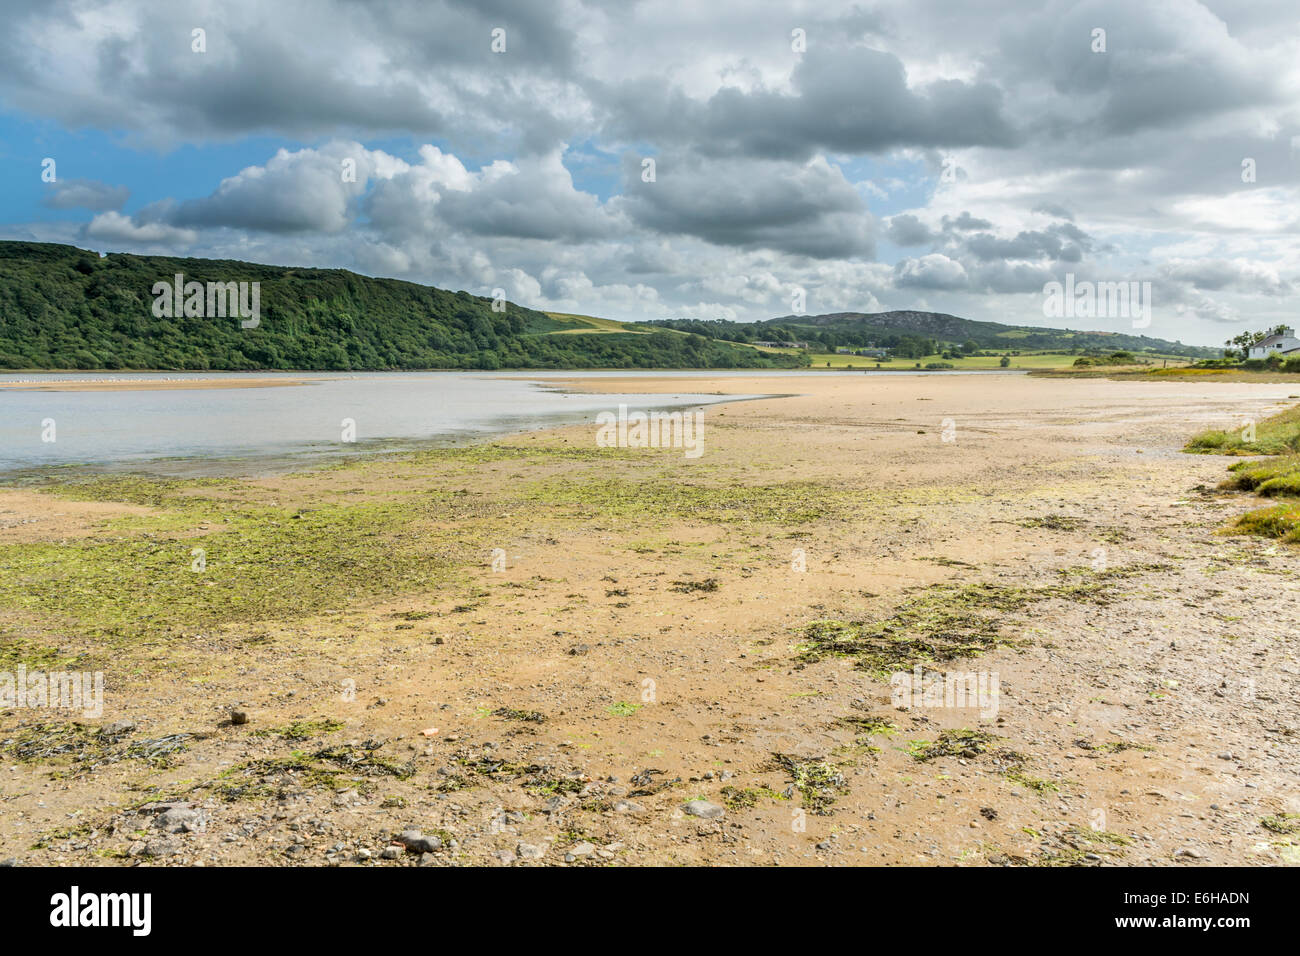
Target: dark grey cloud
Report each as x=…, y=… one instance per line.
x=965, y=223
x=907, y=230
x=843, y=99
x=808, y=209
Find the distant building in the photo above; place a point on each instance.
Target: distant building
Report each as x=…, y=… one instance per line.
x=784, y=345
x=1281, y=342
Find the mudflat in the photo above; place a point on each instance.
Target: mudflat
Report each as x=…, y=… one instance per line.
x=539, y=651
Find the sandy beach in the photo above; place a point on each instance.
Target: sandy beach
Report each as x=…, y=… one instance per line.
x=543, y=652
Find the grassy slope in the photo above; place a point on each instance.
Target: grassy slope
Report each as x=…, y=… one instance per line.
x=1027, y=360
x=1276, y=477
x=66, y=308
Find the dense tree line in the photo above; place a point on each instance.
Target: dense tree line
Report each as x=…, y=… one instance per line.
x=67, y=308
x=943, y=333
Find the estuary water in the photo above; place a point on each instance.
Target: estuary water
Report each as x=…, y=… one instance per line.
x=218, y=431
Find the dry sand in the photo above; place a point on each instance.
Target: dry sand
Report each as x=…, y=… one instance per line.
x=1154, y=725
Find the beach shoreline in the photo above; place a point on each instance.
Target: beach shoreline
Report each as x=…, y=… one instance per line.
x=557, y=645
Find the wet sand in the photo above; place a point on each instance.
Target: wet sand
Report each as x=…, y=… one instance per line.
x=644, y=644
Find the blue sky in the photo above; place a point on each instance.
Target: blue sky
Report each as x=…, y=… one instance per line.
x=779, y=170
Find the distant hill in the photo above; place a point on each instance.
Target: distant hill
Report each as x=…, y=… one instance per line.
x=916, y=334
x=66, y=308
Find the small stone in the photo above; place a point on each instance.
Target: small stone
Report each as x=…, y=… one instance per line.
x=182, y=820
x=417, y=842
x=1188, y=853
x=504, y=856
x=530, y=851
x=582, y=850
x=391, y=852
x=12, y=861
x=238, y=717
x=118, y=727
x=627, y=806
x=704, y=810
x=161, y=848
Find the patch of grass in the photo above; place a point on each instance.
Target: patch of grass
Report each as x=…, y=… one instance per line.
x=1282, y=474
x=1111, y=747
x=147, y=490
x=1276, y=435
x=554, y=786
x=302, y=729
x=789, y=503
x=818, y=782
x=646, y=784
x=76, y=749
x=15, y=652
x=1052, y=523
x=495, y=767
x=330, y=767
x=1280, y=521
x=1036, y=784
x=746, y=798
x=690, y=587
x=1287, y=824
x=952, y=743
x=622, y=709
x=869, y=726
x=263, y=563
x=946, y=621
x=527, y=716
x=59, y=834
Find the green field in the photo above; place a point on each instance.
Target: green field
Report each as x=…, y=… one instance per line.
x=589, y=324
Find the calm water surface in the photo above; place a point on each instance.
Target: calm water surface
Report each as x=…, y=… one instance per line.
x=264, y=430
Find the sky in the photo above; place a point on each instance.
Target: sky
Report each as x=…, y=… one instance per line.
x=653, y=160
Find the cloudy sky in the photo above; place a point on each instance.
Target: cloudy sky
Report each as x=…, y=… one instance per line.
x=944, y=156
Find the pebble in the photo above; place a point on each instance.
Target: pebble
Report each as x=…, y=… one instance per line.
x=530, y=851
x=704, y=810
x=417, y=842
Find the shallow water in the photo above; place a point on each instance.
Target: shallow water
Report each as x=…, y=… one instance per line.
x=266, y=430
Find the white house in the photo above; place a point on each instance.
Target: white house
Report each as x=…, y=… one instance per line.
x=1281, y=342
